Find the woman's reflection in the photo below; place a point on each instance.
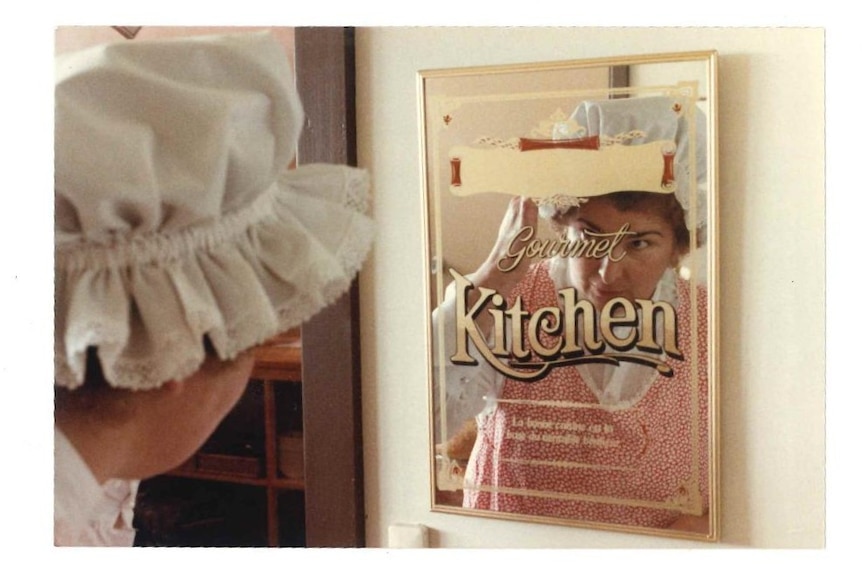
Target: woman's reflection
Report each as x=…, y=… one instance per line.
x=600, y=441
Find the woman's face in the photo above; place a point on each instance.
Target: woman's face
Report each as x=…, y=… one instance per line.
x=184, y=414
x=650, y=249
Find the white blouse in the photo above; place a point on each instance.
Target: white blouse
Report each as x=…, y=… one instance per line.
x=87, y=514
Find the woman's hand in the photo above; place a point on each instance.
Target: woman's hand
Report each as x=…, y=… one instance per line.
x=521, y=213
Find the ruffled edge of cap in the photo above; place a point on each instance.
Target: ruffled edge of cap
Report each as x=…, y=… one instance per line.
x=146, y=304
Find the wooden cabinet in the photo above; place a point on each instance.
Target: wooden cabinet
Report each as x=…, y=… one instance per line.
x=246, y=484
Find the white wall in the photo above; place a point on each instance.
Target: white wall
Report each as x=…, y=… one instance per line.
x=771, y=102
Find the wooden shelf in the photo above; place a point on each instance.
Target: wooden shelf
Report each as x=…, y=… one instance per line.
x=280, y=358
x=278, y=482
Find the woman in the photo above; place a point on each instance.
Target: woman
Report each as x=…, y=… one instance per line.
x=607, y=434
x=182, y=241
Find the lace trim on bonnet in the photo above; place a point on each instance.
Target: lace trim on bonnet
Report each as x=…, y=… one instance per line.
x=148, y=302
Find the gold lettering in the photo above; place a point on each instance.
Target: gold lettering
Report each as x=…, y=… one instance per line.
x=629, y=318
x=518, y=254
x=545, y=320
x=465, y=327
x=500, y=347
x=464, y=324
x=571, y=308
x=647, y=341
x=593, y=245
x=517, y=314
x=534, y=248
x=618, y=237
x=562, y=323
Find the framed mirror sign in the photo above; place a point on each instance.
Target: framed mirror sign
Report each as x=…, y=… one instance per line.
x=572, y=292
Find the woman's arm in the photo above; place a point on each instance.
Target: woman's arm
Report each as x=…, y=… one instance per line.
x=469, y=386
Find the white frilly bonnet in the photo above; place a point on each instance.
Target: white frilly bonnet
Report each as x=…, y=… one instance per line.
x=177, y=217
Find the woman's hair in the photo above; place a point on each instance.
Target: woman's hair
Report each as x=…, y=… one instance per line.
x=664, y=205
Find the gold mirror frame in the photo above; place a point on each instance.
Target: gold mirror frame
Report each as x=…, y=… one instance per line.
x=527, y=422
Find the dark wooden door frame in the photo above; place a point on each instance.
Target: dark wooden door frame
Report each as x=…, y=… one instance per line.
x=331, y=382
